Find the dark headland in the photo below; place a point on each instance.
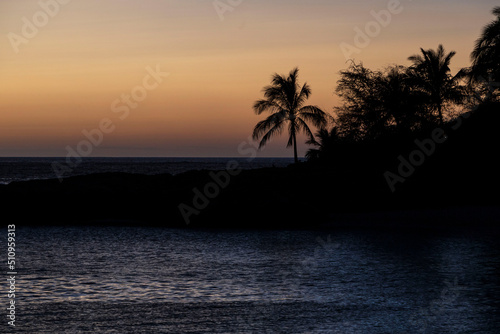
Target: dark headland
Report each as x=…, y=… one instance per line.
x=455, y=185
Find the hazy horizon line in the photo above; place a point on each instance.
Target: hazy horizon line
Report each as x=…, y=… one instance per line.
x=149, y=157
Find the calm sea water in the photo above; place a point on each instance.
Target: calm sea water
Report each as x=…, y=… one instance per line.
x=21, y=169
x=153, y=280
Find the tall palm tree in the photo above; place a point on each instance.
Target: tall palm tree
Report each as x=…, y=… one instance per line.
x=432, y=71
x=284, y=100
x=486, y=55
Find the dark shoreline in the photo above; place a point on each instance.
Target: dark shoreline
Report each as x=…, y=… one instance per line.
x=255, y=199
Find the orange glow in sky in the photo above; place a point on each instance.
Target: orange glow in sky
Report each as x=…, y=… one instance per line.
x=64, y=63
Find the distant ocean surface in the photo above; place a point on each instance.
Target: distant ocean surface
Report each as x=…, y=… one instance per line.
x=23, y=169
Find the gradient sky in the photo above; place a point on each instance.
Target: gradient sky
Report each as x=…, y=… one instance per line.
x=66, y=77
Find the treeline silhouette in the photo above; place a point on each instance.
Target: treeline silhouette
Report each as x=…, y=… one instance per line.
x=390, y=107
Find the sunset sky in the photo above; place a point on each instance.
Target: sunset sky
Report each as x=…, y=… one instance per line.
x=66, y=77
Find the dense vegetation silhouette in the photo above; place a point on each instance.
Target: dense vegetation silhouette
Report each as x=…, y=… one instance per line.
x=400, y=103
x=486, y=55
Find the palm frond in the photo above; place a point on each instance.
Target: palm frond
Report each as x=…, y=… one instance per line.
x=277, y=129
x=303, y=127
x=496, y=11
x=264, y=125
x=315, y=115
x=266, y=105
x=303, y=95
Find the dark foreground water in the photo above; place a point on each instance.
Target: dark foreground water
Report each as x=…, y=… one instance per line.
x=151, y=280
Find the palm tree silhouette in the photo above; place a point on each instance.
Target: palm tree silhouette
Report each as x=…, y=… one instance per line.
x=432, y=73
x=325, y=145
x=285, y=99
x=486, y=55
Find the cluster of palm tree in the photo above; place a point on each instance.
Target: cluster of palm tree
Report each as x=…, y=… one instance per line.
x=398, y=99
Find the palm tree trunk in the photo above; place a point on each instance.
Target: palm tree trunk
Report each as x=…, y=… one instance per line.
x=440, y=112
x=295, y=147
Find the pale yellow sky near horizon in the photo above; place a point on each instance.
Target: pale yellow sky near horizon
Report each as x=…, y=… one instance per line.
x=66, y=76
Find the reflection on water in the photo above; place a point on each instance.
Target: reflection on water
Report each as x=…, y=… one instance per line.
x=162, y=280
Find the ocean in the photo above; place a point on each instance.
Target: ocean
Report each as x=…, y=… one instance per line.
x=23, y=169
x=158, y=280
